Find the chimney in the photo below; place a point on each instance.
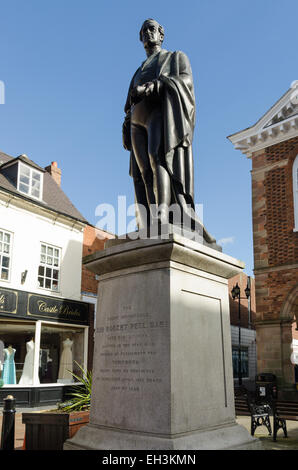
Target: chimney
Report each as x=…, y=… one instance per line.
x=55, y=172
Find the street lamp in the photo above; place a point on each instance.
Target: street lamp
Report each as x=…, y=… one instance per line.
x=236, y=295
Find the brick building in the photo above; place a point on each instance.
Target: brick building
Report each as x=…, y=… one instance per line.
x=272, y=145
x=94, y=240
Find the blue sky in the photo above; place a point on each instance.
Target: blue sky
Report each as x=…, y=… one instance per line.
x=67, y=64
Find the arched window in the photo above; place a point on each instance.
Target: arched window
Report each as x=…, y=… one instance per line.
x=295, y=192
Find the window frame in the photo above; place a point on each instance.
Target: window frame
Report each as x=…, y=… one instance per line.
x=7, y=255
x=30, y=184
x=46, y=266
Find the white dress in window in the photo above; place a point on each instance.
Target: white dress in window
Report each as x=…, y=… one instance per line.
x=27, y=374
x=66, y=367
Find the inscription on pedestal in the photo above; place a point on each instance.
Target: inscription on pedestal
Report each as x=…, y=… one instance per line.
x=133, y=348
x=128, y=351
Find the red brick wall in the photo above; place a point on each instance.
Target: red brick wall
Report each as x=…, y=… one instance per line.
x=275, y=243
x=94, y=240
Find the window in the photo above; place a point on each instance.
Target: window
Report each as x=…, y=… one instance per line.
x=29, y=181
x=60, y=347
x=5, y=254
x=49, y=267
x=295, y=193
x=244, y=361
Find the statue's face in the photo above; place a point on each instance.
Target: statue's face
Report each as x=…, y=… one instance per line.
x=150, y=33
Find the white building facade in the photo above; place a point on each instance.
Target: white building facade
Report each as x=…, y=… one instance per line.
x=44, y=325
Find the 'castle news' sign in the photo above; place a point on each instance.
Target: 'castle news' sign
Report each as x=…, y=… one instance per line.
x=49, y=307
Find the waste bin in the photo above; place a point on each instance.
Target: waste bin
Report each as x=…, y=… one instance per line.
x=266, y=386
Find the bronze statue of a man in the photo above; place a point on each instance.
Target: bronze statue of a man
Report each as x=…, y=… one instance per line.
x=158, y=131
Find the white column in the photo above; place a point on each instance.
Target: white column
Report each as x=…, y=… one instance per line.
x=36, y=353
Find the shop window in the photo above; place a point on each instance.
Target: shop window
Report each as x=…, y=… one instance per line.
x=18, y=356
x=244, y=361
x=61, y=349
x=49, y=267
x=30, y=181
x=50, y=357
x=5, y=254
x=295, y=193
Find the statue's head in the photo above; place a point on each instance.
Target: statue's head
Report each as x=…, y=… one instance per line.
x=151, y=33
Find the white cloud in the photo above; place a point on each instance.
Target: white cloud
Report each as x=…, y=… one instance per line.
x=225, y=241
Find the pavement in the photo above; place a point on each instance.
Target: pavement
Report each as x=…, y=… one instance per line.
x=289, y=443
x=282, y=443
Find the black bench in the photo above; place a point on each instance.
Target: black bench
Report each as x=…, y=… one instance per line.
x=281, y=410
x=260, y=411
x=279, y=422
x=260, y=414
x=284, y=411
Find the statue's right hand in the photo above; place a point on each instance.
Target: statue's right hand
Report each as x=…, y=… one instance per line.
x=138, y=93
x=140, y=90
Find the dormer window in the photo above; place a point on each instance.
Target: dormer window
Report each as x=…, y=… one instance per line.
x=29, y=181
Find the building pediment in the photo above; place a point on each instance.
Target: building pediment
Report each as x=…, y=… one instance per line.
x=279, y=123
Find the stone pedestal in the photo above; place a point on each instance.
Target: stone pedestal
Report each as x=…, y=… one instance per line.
x=162, y=372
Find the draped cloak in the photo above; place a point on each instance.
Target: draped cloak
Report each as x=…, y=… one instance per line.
x=177, y=101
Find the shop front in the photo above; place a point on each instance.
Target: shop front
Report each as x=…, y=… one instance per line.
x=42, y=341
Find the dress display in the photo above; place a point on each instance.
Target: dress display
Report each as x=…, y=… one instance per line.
x=9, y=368
x=66, y=367
x=27, y=374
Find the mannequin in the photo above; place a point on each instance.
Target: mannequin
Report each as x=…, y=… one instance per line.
x=66, y=360
x=27, y=374
x=9, y=368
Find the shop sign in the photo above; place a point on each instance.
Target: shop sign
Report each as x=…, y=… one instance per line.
x=50, y=307
x=8, y=301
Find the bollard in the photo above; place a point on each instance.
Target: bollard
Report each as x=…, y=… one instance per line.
x=8, y=423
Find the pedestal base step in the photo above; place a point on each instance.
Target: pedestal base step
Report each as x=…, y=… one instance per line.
x=230, y=437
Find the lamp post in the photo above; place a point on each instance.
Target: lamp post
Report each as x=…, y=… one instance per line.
x=236, y=294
